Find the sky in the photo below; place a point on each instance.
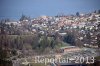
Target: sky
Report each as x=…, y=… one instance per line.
x=13, y=9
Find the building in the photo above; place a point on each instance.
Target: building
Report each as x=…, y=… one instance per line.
x=70, y=49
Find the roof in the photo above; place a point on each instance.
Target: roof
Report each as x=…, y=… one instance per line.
x=67, y=47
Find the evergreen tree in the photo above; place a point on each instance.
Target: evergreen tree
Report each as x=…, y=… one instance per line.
x=23, y=17
x=77, y=14
x=99, y=11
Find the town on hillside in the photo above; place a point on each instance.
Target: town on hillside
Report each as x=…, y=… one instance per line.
x=60, y=36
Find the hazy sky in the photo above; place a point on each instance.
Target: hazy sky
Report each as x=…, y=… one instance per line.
x=14, y=8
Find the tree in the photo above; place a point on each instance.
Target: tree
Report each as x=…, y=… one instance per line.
x=77, y=14
x=98, y=40
x=5, y=20
x=23, y=17
x=99, y=11
x=69, y=39
x=98, y=36
x=3, y=42
x=95, y=11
